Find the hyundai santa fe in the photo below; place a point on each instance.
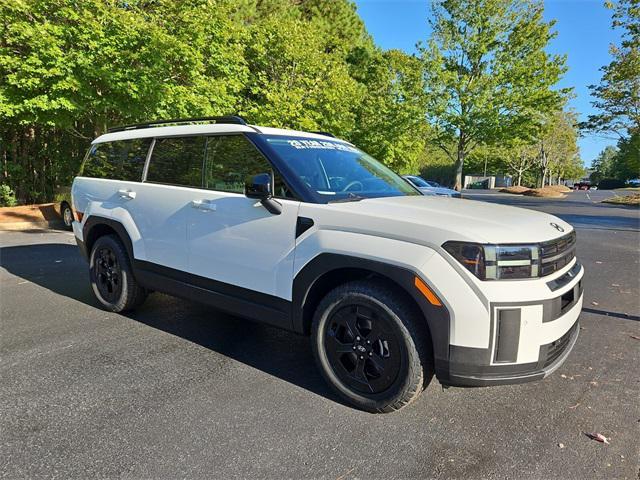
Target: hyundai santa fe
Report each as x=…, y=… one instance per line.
x=308, y=233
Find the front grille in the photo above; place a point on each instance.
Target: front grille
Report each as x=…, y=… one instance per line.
x=555, y=349
x=557, y=253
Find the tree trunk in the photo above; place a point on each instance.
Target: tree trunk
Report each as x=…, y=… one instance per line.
x=459, y=164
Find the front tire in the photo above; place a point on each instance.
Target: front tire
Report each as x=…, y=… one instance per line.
x=111, y=276
x=371, y=345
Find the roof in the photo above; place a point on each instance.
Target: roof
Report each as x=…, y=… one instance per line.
x=205, y=129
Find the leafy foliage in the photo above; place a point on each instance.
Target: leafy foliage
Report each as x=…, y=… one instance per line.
x=604, y=164
x=618, y=94
x=488, y=76
x=617, y=98
x=7, y=197
x=69, y=69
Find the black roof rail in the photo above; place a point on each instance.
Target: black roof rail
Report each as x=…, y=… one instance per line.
x=326, y=134
x=233, y=119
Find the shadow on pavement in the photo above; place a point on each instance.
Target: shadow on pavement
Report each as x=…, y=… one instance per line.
x=285, y=355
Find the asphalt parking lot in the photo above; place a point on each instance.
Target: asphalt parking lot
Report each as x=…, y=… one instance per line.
x=179, y=390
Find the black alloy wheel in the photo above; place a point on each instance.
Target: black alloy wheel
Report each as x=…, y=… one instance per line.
x=371, y=345
x=362, y=348
x=108, y=275
x=111, y=276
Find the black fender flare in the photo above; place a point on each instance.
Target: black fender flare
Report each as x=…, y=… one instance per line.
x=437, y=317
x=95, y=222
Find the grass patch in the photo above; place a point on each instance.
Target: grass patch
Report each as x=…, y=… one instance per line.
x=633, y=199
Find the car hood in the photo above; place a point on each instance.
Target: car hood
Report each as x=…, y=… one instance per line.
x=435, y=220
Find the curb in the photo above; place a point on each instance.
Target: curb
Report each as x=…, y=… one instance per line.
x=21, y=226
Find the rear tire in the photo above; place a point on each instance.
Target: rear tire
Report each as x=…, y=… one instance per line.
x=372, y=346
x=67, y=215
x=111, y=276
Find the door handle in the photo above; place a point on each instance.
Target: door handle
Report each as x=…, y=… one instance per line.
x=205, y=205
x=127, y=194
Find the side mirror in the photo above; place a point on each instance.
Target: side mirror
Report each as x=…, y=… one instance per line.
x=260, y=187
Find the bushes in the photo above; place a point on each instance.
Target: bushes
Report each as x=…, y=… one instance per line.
x=441, y=173
x=610, y=184
x=7, y=197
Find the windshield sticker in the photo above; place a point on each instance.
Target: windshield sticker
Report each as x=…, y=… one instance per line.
x=320, y=145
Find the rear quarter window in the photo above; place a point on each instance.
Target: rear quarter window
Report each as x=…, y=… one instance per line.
x=121, y=160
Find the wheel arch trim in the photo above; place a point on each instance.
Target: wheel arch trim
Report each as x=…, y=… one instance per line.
x=437, y=318
x=94, y=222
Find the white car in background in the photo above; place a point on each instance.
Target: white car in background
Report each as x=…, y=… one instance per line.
x=430, y=187
x=305, y=232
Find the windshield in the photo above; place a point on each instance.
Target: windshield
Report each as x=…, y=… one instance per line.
x=338, y=171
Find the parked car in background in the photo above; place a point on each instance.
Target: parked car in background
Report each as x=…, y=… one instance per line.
x=479, y=185
x=431, y=187
x=63, y=205
x=581, y=186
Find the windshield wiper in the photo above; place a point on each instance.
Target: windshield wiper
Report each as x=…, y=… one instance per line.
x=351, y=198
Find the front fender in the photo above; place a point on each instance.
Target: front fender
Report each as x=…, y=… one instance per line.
x=398, y=261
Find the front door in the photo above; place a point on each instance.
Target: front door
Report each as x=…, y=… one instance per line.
x=234, y=239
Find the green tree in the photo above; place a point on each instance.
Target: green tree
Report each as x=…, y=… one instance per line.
x=70, y=68
x=603, y=165
x=558, y=146
x=489, y=78
x=522, y=159
x=390, y=122
x=293, y=80
x=626, y=165
x=617, y=97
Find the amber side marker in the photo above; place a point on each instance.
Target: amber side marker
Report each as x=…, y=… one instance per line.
x=426, y=291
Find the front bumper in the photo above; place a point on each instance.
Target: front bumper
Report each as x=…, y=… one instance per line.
x=525, y=338
x=552, y=355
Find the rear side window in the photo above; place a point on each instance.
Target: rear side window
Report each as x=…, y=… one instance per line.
x=177, y=161
x=121, y=160
x=231, y=160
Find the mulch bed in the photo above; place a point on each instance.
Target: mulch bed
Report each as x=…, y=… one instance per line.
x=29, y=213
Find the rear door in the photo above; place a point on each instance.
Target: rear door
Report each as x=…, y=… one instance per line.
x=109, y=179
x=234, y=239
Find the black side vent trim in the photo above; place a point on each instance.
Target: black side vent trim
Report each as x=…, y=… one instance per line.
x=302, y=225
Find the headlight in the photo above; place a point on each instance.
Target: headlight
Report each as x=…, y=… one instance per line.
x=497, y=262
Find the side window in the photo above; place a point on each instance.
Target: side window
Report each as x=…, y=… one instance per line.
x=231, y=160
x=177, y=161
x=121, y=160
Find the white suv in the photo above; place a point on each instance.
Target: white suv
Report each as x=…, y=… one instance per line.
x=308, y=233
